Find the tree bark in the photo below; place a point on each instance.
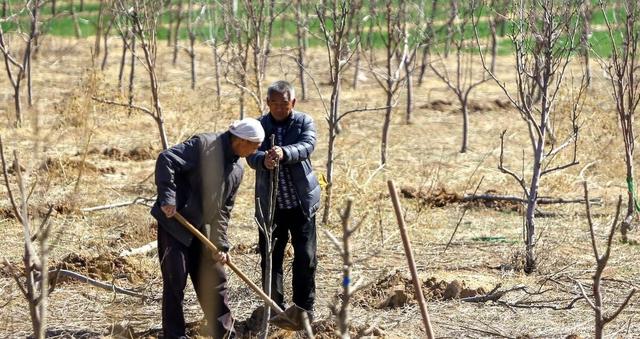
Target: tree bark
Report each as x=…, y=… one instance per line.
x=530, y=225
x=123, y=60
x=333, y=125
x=99, y=29
x=216, y=70
x=626, y=225
x=28, y=55
x=17, y=103
x=465, y=125
x=105, y=38
x=132, y=70
x=300, y=35
x=409, y=111
x=176, y=34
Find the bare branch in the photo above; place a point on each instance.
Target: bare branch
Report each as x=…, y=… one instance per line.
x=584, y=295
x=6, y=182
x=622, y=306
x=111, y=102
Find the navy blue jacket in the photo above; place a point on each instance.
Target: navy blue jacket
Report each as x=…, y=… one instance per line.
x=200, y=177
x=298, y=144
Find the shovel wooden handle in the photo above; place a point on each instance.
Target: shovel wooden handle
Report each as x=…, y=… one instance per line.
x=233, y=267
x=412, y=263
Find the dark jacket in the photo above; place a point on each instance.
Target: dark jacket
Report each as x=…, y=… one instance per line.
x=201, y=177
x=299, y=142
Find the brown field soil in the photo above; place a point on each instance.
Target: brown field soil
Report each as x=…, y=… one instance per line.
x=82, y=154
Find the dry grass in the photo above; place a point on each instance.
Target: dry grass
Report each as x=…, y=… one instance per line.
x=422, y=155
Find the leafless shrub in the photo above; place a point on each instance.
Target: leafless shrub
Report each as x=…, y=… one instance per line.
x=623, y=72
x=34, y=282
x=601, y=318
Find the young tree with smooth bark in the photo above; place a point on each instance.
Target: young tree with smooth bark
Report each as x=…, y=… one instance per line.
x=335, y=19
x=465, y=78
x=544, y=39
x=18, y=67
x=390, y=77
x=143, y=16
x=597, y=304
x=35, y=287
x=623, y=72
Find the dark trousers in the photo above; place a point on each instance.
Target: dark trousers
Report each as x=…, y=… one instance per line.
x=303, y=240
x=208, y=278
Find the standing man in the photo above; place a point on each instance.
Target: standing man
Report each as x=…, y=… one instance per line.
x=298, y=194
x=199, y=178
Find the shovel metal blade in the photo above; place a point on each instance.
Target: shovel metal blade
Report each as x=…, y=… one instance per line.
x=292, y=319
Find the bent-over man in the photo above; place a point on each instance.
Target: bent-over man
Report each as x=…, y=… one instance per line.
x=199, y=178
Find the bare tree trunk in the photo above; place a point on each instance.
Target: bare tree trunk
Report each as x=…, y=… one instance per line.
x=192, y=55
x=450, y=29
x=243, y=81
x=53, y=7
x=159, y=117
x=29, y=82
x=4, y=8
x=99, y=29
x=409, y=72
x=465, y=125
x=123, y=60
x=172, y=18
x=357, y=54
x=347, y=263
x=192, y=41
x=426, y=50
x=81, y=5
x=176, y=34
x=132, y=70
x=585, y=13
x=266, y=46
x=300, y=35
x=106, y=46
x=216, y=69
x=631, y=195
x=423, y=64
x=385, y=129
x=27, y=54
x=530, y=226
x=494, y=42
x=333, y=125
x=17, y=103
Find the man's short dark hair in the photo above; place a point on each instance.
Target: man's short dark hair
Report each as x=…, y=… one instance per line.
x=282, y=87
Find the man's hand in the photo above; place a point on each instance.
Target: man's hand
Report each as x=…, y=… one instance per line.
x=273, y=157
x=221, y=257
x=169, y=210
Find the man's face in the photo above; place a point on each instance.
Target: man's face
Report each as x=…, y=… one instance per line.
x=279, y=106
x=244, y=148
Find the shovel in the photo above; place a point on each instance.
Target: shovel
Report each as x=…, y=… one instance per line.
x=291, y=319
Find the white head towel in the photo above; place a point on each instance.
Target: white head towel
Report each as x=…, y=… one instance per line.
x=248, y=129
